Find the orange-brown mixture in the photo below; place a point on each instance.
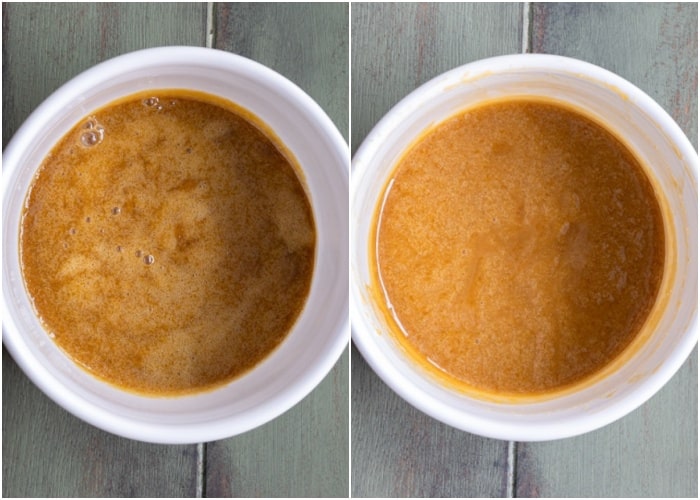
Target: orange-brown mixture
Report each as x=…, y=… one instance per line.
x=521, y=247
x=168, y=243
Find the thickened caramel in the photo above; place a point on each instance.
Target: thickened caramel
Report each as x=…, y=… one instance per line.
x=520, y=247
x=168, y=242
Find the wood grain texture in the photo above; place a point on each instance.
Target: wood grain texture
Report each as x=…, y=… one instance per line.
x=652, y=45
x=47, y=451
x=44, y=45
x=398, y=451
x=305, y=451
x=653, y=451
x=398, y=47
x=305, y=42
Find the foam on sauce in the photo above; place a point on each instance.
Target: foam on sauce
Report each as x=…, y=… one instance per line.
x=520, y=246
x=167, y=242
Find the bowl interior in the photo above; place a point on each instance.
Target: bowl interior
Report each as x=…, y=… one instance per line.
x=671, y=163
x=320, y=333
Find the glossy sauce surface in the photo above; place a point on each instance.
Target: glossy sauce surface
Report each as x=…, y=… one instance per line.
x=168, y=243
x=520, y=247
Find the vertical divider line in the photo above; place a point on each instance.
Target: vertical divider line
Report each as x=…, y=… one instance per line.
x=200, y=484
x=349, y=347
x=211, y=28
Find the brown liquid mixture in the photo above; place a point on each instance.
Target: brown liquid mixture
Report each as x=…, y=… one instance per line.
x=521, y=247
x=167, y=243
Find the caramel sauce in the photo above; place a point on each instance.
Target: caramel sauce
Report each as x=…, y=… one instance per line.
x=167, y=242
x=519, y=247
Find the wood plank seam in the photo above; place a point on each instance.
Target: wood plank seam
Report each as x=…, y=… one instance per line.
x=527, y=28
x=200, y=482
x=211, y=26
x=511, y=470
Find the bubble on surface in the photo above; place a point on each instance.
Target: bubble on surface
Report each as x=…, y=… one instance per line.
x=116, y=211
x=151, y=102
x=94, y=132
x=119, y=248
x=139, y=253
x=92, y=137
x=149, y=259
x=72, y=231
x=87, y=219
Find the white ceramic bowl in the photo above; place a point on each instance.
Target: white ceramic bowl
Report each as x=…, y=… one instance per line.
x=673, y=165
x=319, y=335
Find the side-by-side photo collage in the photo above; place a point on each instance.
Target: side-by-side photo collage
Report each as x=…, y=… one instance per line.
x=349, y=249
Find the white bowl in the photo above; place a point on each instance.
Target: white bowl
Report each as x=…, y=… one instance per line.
x=673, y=168
x=319, y=335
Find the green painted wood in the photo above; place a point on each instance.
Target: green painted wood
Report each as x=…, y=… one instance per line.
x=397, y=450
x=305, y=451
x=653, y=451
x=44, y=45
x=45, y=450
x=305, y=42
x=398, y=47
x=652, y=45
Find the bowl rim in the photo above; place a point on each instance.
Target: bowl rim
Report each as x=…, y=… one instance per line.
x=364, y=337
x=336, y=340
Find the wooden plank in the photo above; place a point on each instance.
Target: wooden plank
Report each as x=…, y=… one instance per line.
x=653, y=451
x=398, y=47
x=305, y=451
x=652, y=45
x=44, y=45
x=305, y=42
x=397, y=450
x=46, y=451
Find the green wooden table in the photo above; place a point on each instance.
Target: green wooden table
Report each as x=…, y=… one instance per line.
x=45, y=450
x=398, y=451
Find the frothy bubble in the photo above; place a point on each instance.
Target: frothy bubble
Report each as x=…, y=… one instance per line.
x=149, y=259
x=116, y=211
x=94, y=132
x=138, y=253
x=151, y=102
